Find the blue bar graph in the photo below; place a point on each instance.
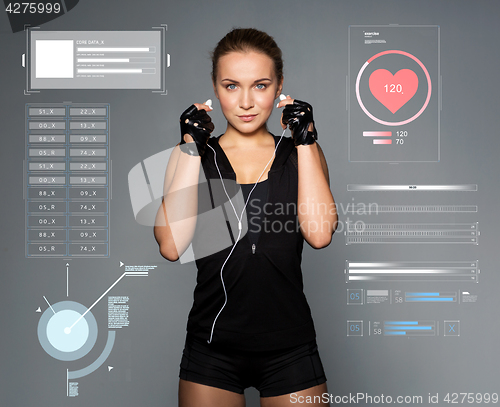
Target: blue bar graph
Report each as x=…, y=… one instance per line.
x=430, y=297
x=410, y=328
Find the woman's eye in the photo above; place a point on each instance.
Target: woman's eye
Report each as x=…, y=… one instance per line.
x=261, y=86
x=232, y=86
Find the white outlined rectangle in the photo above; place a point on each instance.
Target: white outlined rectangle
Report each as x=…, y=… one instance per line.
x=96, y=60
x=54, y=59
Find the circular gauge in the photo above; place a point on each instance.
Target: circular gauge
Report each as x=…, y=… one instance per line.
x=67, y=330
x=385, y=122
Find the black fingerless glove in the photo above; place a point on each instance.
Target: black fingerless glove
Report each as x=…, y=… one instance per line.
x=298, y=116
x=198, y=124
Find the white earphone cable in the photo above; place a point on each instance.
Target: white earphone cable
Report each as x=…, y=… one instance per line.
x=239, y=218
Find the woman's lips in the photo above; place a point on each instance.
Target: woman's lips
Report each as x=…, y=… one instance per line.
x=247, y=118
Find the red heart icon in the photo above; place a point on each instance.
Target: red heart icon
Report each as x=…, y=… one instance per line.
x=393, y=91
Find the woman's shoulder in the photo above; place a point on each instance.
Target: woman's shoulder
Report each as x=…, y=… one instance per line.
x=286, y=151
x=214, y=140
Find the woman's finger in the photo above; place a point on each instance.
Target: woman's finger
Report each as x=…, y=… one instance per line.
x=288, y=100
x=203, y=106
x=285, y=102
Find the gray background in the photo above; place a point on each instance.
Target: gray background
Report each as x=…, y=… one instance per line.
x=313, y=37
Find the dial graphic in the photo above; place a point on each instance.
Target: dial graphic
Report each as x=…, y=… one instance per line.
x=393, y=91
x=67, y=330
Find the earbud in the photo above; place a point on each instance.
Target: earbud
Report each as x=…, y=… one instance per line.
x=281, y=98
x=209, y=103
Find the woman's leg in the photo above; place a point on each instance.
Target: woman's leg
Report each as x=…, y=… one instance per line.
x=198, y=395
x=300, y=398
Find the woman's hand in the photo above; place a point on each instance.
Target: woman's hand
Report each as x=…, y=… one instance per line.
x=196, y=126
x=298, y=116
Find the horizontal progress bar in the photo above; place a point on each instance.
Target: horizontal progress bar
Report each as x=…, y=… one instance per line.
x=377, y=134
x=432, y=277
x=116, y=49
x=116, y=60
x=413, y=328
x=372, y=187
x=111, y=70
x=409, y=271
x=375, y=208
x=425, y=264
x=431, y=299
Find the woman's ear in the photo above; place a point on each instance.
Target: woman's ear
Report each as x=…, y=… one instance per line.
x=280, y=87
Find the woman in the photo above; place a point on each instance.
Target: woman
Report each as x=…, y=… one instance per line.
x=250, y=324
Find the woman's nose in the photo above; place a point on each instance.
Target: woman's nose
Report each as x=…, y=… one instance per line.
x=246, y=100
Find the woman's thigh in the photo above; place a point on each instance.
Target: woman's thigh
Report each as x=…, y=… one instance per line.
x=301, y=398
x=198, y=395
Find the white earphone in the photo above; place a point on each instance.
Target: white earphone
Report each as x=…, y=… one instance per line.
x=282, y=97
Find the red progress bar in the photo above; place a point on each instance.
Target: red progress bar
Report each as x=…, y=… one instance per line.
x=377, y=134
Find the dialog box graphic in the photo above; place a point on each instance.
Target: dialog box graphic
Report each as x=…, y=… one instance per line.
x=393, y=93
x=96, y=59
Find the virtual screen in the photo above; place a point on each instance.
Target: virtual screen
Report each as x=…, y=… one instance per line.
x=394, y=93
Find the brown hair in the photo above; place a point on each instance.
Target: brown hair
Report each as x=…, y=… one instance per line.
x=246, y=40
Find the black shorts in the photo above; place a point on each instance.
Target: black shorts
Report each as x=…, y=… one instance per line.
x=273, y=373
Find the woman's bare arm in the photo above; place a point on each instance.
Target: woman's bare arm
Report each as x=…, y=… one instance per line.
x=316, y=208
x=175, y=221
x=317, y=213
x=176, y=218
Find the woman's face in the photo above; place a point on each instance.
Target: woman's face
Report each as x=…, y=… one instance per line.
x=247, y=88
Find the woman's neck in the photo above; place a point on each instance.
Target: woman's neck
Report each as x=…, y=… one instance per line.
x=233, y=138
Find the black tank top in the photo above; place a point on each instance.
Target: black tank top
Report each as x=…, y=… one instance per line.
x=266, y=307
x=255, y=207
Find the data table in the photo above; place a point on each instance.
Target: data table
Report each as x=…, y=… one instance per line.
x=67, y=180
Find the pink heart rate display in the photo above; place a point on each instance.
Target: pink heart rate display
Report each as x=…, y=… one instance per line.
x=393, y=91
